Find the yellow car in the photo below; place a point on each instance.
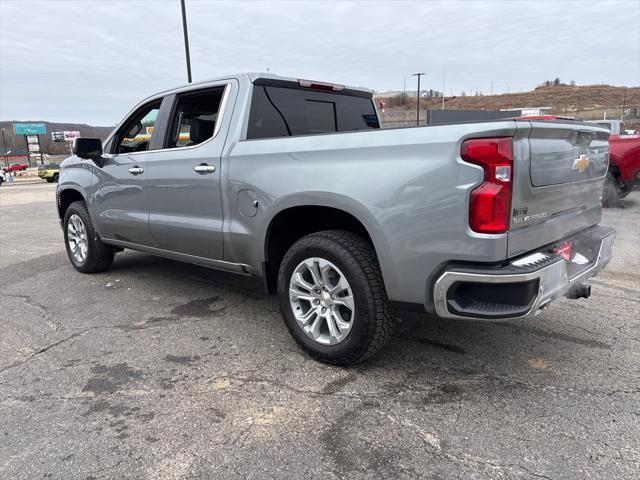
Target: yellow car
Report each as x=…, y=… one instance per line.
x=49, y=172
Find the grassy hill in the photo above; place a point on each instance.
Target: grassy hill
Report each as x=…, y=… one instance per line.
x=587, y=102
x=46, y=144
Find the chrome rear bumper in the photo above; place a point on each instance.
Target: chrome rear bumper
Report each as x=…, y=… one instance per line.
x=524, y=287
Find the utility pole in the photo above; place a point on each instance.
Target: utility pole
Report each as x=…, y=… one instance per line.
x=418, y=110
x=4, y=146
x=443, y=85
x=186, y=40
x=624, y=104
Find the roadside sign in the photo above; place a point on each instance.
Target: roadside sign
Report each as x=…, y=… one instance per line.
x=33, y=145
x=30, y=128
x=71, y=136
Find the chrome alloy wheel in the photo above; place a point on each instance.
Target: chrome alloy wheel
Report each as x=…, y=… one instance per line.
x=77, y=238
x=322, y=301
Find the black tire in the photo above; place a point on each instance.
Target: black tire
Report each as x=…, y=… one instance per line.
x=373, y=321
x=99, y=255
x=610, y=193
x=55, y=178
x=49, y=180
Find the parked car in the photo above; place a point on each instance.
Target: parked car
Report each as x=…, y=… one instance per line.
x=49, y=172
x=624, y=168
x=16, y=167
x=293, y=181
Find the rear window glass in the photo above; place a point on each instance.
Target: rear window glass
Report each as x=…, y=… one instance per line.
x=283, y=112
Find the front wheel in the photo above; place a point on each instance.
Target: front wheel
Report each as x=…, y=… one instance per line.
x=49, y=180
x=332, y=297
x=85, y=250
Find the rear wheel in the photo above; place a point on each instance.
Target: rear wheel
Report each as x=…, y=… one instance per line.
x=85, y=250
x=332, y=297
x=55, y=178
x=49, y=180
x=610, y=193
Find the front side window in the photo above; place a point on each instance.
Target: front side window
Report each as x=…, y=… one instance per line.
x=137, y=130
x=194, y=118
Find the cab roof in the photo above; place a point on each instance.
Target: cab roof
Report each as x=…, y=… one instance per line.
x=253, y=76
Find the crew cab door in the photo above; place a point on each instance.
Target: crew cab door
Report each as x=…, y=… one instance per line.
x=182, y=185
x=120, y=204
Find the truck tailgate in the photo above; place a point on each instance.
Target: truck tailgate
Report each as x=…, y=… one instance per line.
x=558, y=177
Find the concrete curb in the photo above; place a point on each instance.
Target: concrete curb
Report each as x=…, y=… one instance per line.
x=38, y=181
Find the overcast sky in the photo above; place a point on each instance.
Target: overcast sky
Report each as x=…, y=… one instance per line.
x=90, y=62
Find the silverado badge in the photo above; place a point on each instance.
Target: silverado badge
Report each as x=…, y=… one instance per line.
x=580, y=164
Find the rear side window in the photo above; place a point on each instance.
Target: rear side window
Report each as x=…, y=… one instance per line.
x=283, y=112
x=194, y=118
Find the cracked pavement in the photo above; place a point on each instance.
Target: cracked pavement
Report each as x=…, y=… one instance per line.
x=162, y=370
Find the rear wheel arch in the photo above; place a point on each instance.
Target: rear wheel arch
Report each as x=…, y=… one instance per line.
x=295, y=222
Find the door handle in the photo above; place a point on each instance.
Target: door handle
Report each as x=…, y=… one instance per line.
x=136, y=170
x=203, y=168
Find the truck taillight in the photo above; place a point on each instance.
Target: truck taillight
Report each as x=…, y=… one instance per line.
x=490, y=203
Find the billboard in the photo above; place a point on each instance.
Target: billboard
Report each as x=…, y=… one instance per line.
x=57, y=137
x=30, y=128
x=71, y=136
x=66, y=136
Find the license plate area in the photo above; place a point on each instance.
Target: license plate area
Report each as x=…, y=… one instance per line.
x=565, y=250
x=579, y=252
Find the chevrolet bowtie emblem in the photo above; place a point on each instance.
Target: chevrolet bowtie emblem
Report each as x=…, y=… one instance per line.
x=580, y=164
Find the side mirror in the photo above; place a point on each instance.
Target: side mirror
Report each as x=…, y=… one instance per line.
x=89, y=148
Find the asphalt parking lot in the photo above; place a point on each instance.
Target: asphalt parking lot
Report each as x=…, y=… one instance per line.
x=162, y=370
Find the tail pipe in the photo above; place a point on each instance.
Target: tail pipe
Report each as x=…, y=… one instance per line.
x=579, y=291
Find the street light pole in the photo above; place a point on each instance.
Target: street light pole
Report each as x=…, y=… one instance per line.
x=186, y=40
x=418, y=109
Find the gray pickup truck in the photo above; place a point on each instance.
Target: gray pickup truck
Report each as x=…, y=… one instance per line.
x=294, y=181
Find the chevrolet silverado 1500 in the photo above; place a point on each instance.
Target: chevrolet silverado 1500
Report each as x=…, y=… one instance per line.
x=294, y=181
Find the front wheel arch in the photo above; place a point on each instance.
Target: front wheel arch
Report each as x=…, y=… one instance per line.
x=66, y=197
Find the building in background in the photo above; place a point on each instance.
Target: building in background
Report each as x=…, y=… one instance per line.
x=529, y=111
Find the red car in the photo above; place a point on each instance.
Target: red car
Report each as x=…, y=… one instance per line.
x=16, y=167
